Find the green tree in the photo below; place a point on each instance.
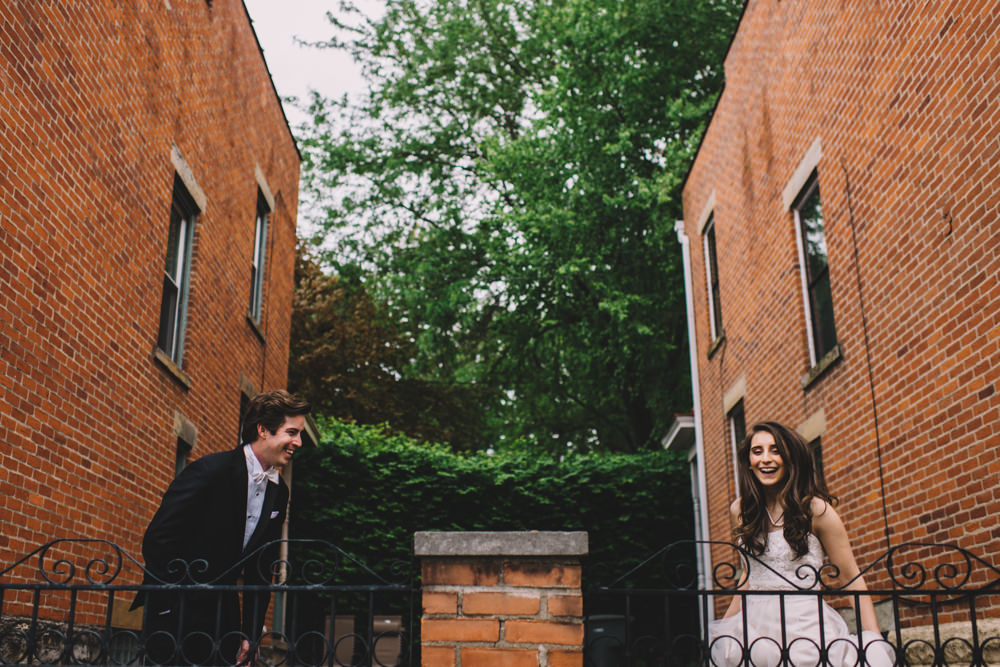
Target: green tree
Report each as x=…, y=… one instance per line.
x=345, y=359
x=511, y=180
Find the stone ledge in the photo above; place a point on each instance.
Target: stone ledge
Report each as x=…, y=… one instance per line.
x=512, y=543
x=956, y=640
x=171, y=367
x=835, y=354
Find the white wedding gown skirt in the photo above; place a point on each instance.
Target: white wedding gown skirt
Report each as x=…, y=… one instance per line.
x=779, y=570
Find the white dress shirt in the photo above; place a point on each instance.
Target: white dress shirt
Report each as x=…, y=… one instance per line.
x=255, y=493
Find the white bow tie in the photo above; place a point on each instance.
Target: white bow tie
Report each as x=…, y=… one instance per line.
x=271, y=474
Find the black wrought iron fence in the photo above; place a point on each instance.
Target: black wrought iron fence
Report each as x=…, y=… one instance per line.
x=70, y=601
x=935, y=604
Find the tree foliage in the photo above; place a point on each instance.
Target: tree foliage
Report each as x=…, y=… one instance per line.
x=511, y=182
x=346, y=360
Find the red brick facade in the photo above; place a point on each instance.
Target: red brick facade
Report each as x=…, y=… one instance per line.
x=486, y=603
x=896, y=106
x=103, y=103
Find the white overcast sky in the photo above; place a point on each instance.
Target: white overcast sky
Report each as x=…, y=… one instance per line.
x=295, y=68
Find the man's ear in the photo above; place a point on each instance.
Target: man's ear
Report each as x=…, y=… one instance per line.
x=262, y=431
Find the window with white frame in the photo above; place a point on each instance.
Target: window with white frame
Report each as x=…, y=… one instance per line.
x=815, y=273
x=257, y=268
x=712, y=278
x=737, y=432
x=177, y=273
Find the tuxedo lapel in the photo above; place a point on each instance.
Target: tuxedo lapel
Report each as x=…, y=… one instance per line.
x=239, y=505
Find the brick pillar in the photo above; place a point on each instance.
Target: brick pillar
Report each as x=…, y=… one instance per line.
x=501, y=599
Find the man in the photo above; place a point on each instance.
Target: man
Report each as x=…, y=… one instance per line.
x=218, y=521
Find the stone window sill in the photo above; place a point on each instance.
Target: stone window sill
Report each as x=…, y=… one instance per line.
x=172, y=368
x=824, y=364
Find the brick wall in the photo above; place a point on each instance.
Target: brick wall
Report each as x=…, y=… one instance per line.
x=501, y=599
x=97, y=98
x=903, y=100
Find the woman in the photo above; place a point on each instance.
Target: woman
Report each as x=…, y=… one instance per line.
x=786, y=522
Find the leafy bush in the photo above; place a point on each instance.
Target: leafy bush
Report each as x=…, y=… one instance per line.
x=368, y=492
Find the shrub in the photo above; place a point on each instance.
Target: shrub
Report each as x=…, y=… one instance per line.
x=368, y=492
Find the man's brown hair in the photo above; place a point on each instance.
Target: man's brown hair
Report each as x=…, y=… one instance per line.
x=270, y=409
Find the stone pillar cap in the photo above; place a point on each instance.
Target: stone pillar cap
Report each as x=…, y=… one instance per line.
x=500, y=543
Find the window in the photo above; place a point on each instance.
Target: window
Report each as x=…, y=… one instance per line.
x=737, y=432
x=814, y=271
x=816, y=447
x=176, y=273
x=257, y=268
x=183, y=454
x=712, y=277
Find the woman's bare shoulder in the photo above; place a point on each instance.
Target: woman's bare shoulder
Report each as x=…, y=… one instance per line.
x=823, y=514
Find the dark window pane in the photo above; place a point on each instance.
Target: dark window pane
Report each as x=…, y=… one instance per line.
x=811, y=216
x=171, y=265
x=824, y=330
x=713, y=277
x=810, y=219
x=254, y=296
x=816, y=446
x=170, y=337
x=168, y=317
x=739, y=423
x=257, y=266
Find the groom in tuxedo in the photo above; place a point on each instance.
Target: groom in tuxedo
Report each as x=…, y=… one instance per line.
x=218, y=522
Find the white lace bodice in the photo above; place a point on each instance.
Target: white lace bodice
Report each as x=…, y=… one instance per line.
x=778, y=569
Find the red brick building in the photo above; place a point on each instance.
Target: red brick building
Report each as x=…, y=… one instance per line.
x=148, y=194
x=847, y=186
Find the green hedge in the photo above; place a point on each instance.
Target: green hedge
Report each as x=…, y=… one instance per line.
x=368, y=491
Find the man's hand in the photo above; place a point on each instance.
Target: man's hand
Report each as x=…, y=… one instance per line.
x=243, y=656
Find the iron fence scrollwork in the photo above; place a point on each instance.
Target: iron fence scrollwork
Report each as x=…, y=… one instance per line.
x=70, y=602
x=936, y=604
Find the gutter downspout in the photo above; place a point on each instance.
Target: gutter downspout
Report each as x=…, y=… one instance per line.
x=699, y=497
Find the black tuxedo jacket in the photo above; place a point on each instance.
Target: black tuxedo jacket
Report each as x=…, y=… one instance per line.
x=197, y=536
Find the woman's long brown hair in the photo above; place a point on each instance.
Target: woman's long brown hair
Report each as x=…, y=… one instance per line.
x=802, y=484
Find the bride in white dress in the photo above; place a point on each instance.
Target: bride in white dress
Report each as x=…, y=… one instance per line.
x=785, y=520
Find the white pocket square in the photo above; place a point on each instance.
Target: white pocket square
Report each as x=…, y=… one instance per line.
x=274, y=514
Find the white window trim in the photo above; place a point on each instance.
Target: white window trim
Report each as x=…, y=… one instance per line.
x=803, y=281
x=186, y=175
x=256, y=310
x=174, y=350
x=706, y=214
x=793, y=188
x=712, y=324
x=183, y=290
x=259, y=257
x=805, y=168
